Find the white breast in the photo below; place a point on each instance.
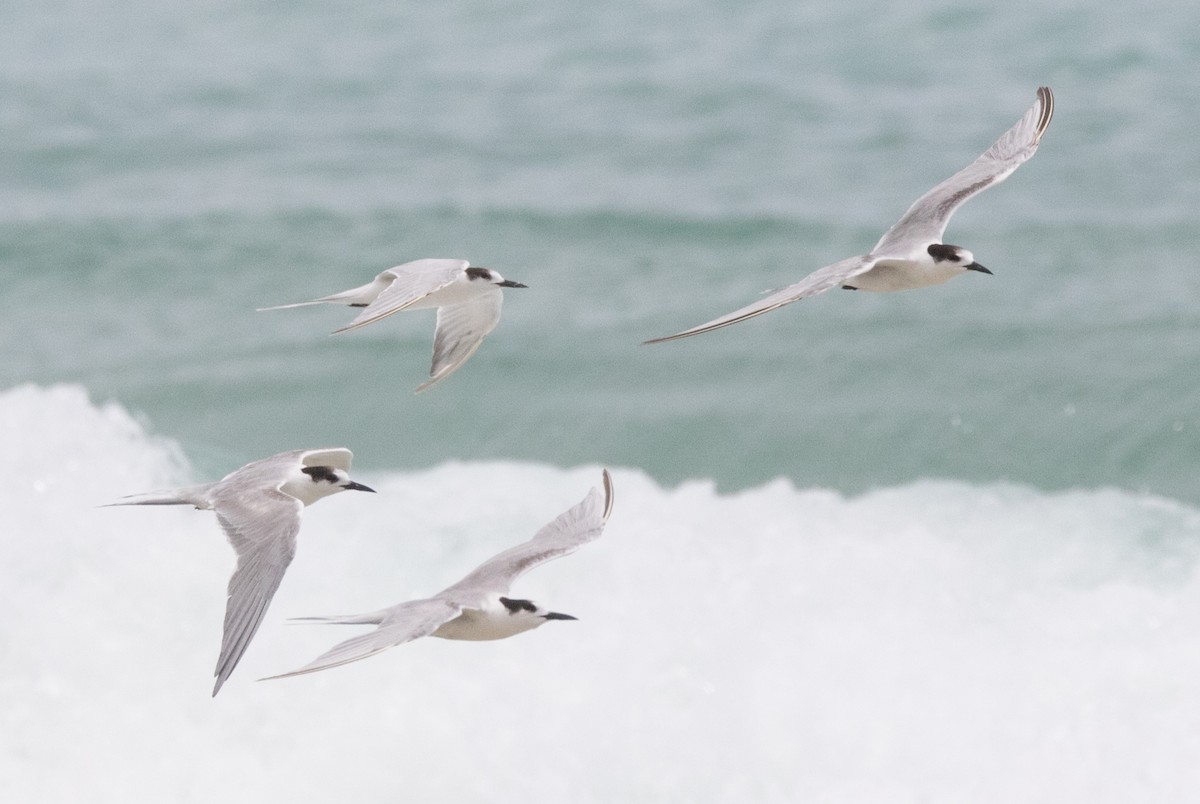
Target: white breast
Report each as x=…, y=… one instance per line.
x=483, y=624
x=892, y=275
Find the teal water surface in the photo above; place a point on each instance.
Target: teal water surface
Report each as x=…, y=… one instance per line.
x=642, y=169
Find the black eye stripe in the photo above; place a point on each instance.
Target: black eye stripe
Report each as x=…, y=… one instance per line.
x=514, y=606
x=941, y=252
x=319, y=473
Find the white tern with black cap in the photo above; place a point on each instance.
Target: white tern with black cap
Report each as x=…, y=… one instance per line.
x=911, y=254
x=259, y=508
x=468, y=300
x=477, y=607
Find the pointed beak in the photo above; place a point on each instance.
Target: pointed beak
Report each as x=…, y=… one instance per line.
x=357, y=487
x=554, y=615
x=508, y=283
x=977, y=267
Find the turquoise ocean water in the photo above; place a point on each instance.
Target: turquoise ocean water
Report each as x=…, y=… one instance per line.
x=933, y=546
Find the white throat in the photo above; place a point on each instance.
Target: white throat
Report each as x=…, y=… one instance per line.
x=308, y=490
x=491, y=622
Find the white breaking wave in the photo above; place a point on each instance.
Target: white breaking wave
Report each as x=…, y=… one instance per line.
x=935, y=642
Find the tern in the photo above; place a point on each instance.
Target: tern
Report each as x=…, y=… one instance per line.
x=911, y=254
x=477, y=607
x=258, y=507
x=467, y=298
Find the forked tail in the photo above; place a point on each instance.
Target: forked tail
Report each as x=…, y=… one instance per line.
x=360, y=296
x=189, y=495
x=288, y=306
x=370, y=618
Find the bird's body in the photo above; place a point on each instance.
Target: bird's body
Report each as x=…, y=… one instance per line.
x=491, y=620
x=468, y=300
x=911, y=254
x=904, y=273
x=258, y=506
x=476, y=608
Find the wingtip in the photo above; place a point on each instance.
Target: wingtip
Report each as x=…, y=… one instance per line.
x=286, y=306
x=303, y=671
x=609, y=495
x=1046, y=96
x=222, y=673
x=666, y=338
x=357, y=323
x=735, y=317
x=442, y=374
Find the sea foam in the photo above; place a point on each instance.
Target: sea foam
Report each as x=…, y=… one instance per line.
x=936, y=642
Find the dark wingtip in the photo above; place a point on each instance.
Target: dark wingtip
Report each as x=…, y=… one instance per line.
x=1047, y=99
x=608, y=494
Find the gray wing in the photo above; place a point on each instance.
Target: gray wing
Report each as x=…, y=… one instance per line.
x=262, y=527
x=402, y=623
x=566, y=534
x=270, y=472
x=925, y=221
x=411, y=282
x=461, y=328
x=819, y=281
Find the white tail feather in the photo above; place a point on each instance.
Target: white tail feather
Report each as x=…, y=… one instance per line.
x=362, y=295
x=289, y=306
x=190, y=495
x=370, y=618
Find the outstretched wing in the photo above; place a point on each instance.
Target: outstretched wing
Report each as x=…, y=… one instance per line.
x=566, y=534
x=461, y=328
x=402, y=623
x=925, y=221
x=411, y=282
x=262, y=528
x=337, y=457
x=273, y=471
x=819, y=281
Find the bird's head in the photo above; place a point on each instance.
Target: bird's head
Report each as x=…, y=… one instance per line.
x=323, y=481
x=529, y=613
x=476, y=274
x=943, y=253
